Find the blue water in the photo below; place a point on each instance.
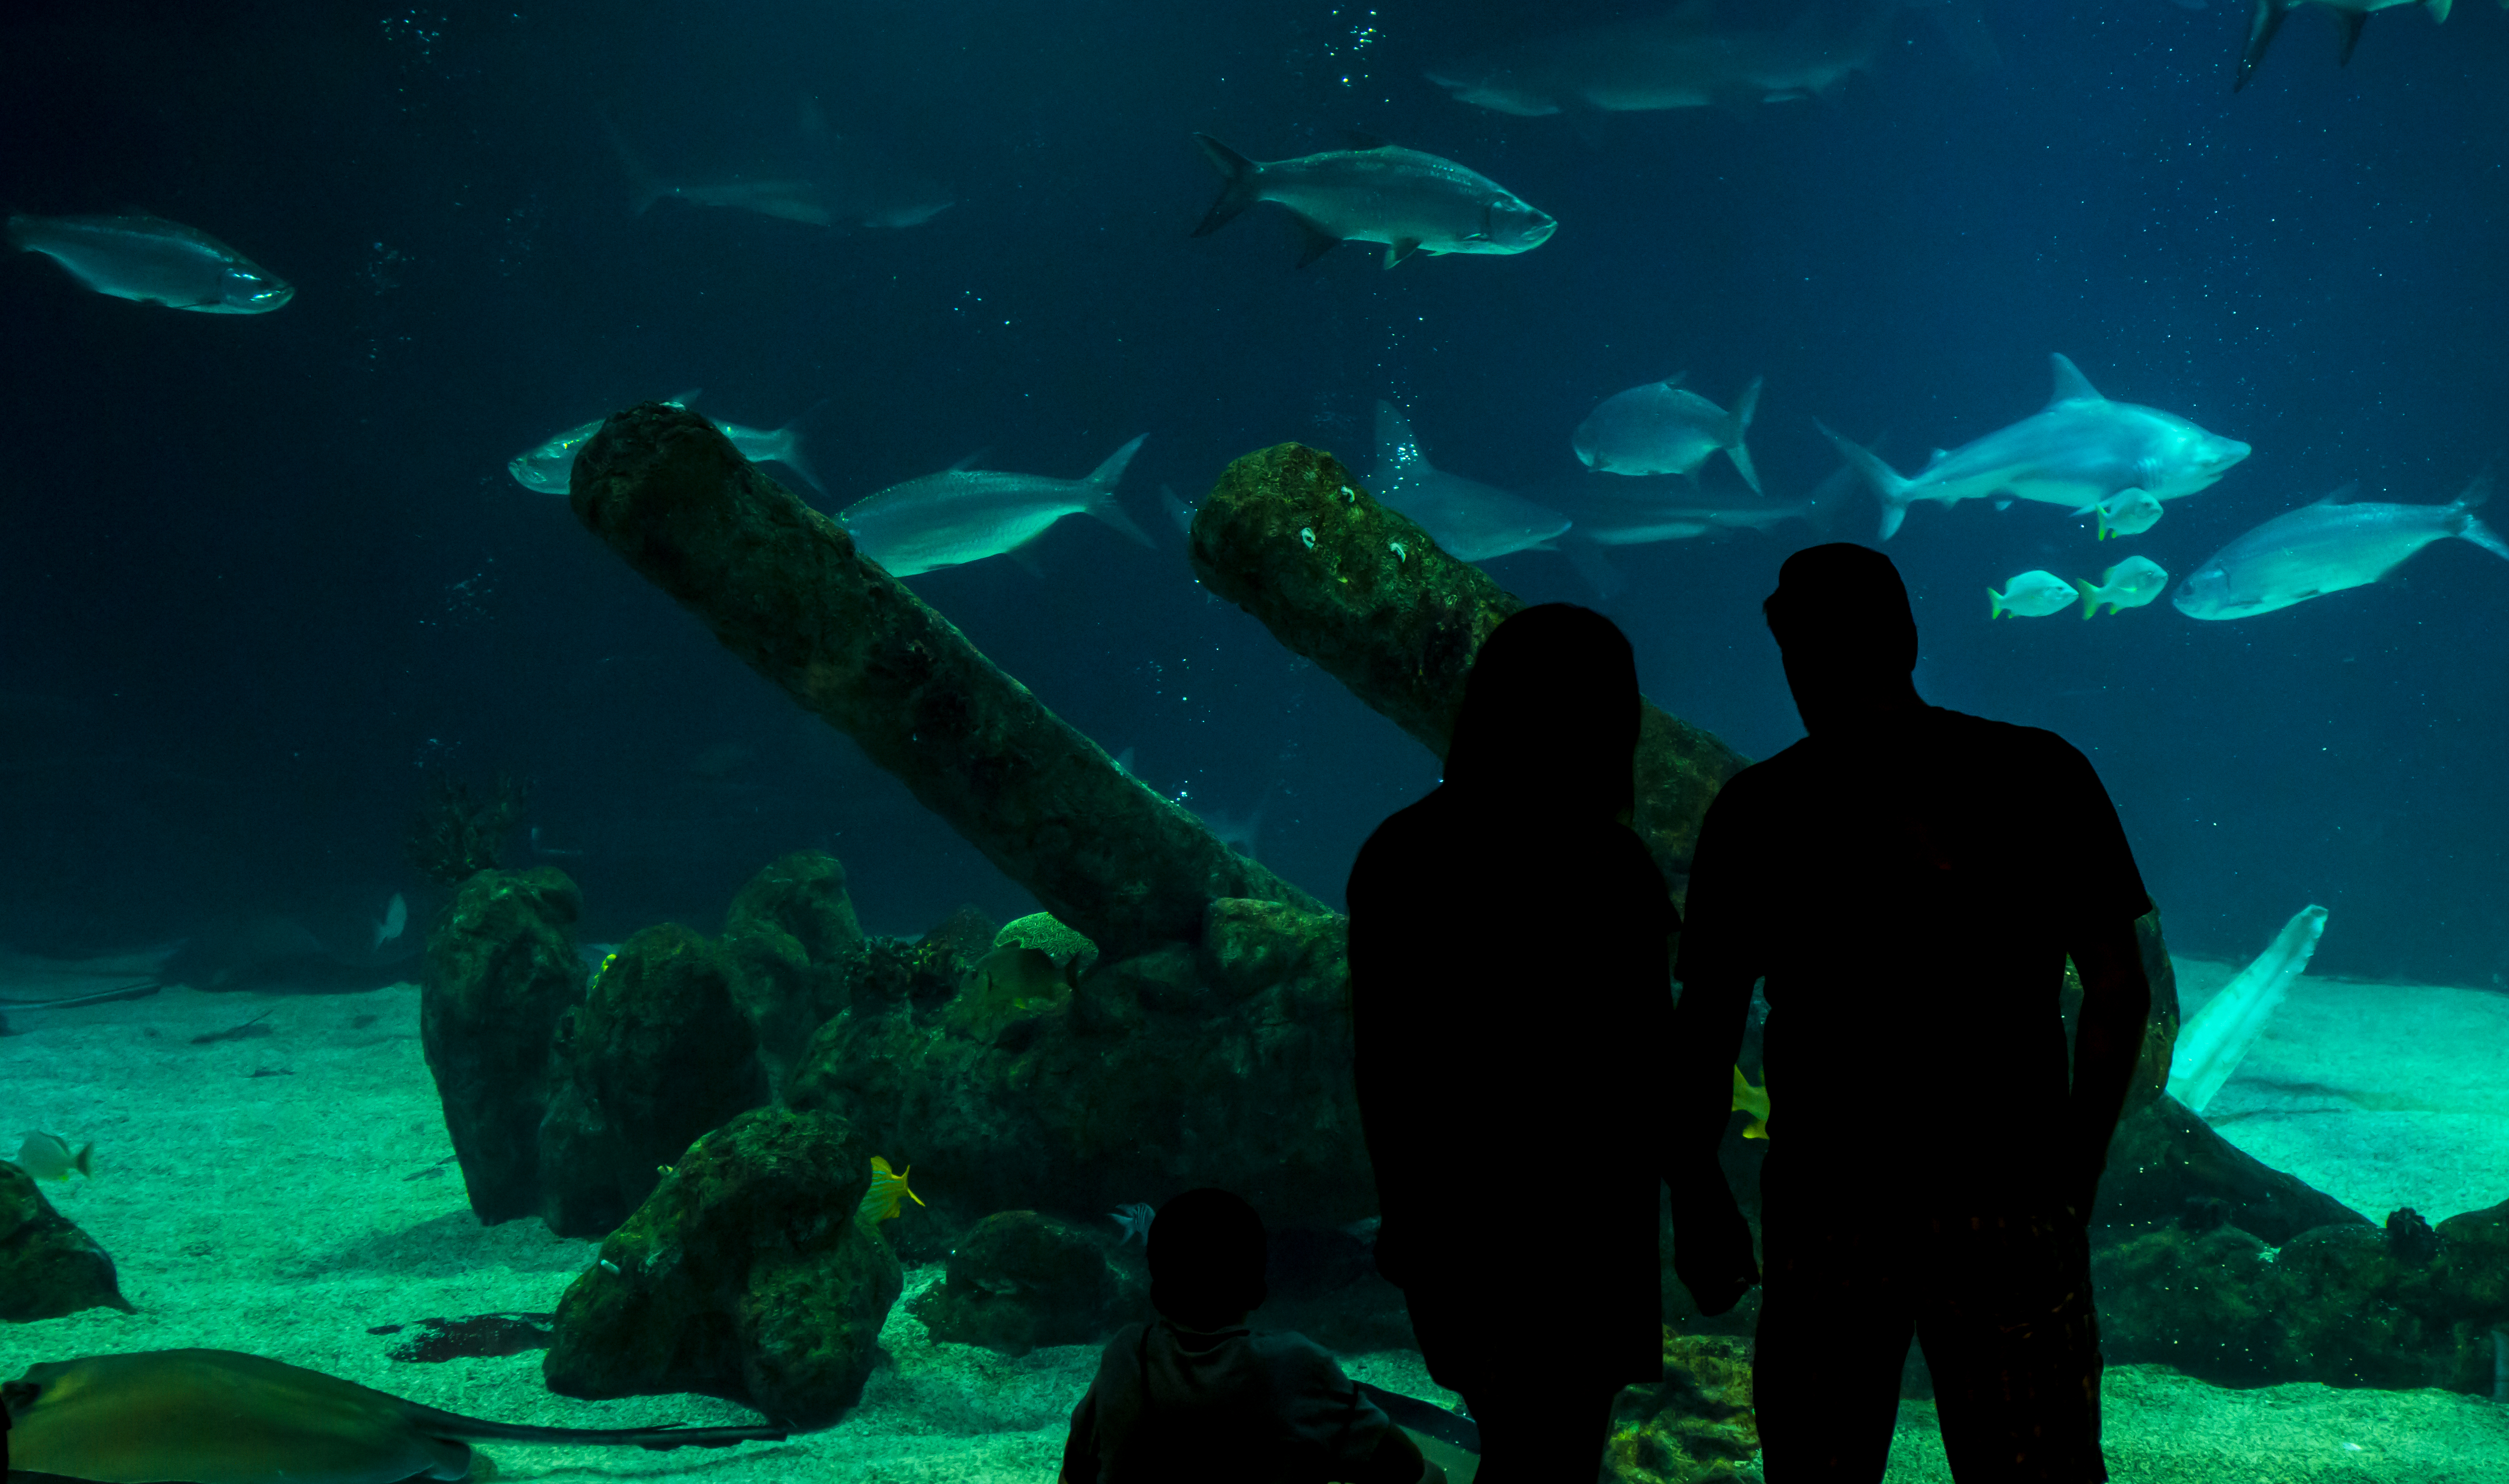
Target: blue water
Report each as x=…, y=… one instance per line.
x=263, y=577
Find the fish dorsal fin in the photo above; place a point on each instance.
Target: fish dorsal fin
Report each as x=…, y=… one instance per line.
x=2349, y=492
x=1674, y=380
x=2072, y=385
x=1361, y=138
x=2477, y=491
x=1936, y=457
x=968, y=463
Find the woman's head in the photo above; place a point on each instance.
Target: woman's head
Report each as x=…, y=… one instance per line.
x=1550, y=714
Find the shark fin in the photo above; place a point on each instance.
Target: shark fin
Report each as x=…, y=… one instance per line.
x=2477, y=491
x=2348, y=25
x=2072, y=385
x=1743, y=406
x=1400, y=248
x=970, y=462
x=1240, y=184
x=1314, y=242
x=2343, y=495
x=1361, y=138
x=2262, y=26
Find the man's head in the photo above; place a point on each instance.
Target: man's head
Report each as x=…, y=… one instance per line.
x=1842, y=622
x=1206, y=1255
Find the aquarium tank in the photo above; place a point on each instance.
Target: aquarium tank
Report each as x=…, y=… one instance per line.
x=687, y=695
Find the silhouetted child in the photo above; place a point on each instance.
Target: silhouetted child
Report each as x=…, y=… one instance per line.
x=1199, y=1396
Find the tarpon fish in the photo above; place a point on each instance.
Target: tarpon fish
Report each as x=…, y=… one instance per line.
x=550, y=467
x=1408, y=201
x=2326, y=547
x=1680, y=58
x=833, y=180
x=1468, y=520
x=2077, y=452
x=1665, y=428
x=964, y=514
x=149, y=260
x=2349, y=17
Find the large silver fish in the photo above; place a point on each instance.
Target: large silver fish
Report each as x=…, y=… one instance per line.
x=150, y=260
x=1663, y=427
x=832, y=180
x=2349, y=17
x=2077, y=451
x=1680, y=58
x=1468, y=520
x=963, y=514
x=2326, y=547
x=548, y=468
x=1408, y=200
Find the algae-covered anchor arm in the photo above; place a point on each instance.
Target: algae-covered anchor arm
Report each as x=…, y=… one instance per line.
x=783, y=587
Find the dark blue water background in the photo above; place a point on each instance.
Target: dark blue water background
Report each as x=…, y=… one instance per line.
x=260, y=575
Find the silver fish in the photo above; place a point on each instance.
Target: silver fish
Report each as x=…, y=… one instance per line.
x=1468, y=520
x=2032, y=595
x=2349, y=17
x=832, y=180
x=550, y=467
x=2077, y=451
x=48, y=1157
x=2326, y=547
x=1632, y=521
x=150, y=260
x=1665, y=428
x=2130, y=583
x=1408, y=200
x=963, y=515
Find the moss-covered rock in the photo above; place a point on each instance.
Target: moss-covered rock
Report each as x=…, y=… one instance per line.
x=745, y=1274
x=1019, y=1280
x=658, y=1054
x=501, y=970
x=1696, y=1425
x=48, y=1266
x=788, y=936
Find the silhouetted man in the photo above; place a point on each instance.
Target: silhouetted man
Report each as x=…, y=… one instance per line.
x=1512, y=996
x=1908, y=881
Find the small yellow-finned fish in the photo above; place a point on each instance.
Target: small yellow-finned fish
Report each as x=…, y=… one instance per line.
x=48, y=1157
x=888, y=1193
x=1753, y=1100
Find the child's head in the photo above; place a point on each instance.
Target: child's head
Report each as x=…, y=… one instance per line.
x=1207, y=1255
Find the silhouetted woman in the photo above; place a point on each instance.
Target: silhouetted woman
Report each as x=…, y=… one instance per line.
x=1511, y=998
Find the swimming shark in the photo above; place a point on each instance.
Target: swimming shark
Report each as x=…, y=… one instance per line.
x=2349, y=17
x=1468, y=520
x=2078, y=450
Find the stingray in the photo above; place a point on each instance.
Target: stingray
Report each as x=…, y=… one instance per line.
x=223, y=1417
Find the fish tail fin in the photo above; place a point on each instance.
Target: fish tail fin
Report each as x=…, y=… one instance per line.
x=1103, y=479
x=1888, y=486
x=643, y=189
x=1599, y=575
x=1994, y=604
x=1743, y=406
x=1821, y=506
x=2485, y=537
x=787, y=450
x=81, y=1164
x=2092, y=598
x=2262, y=26
x=2477, y=491
x=1239, y=184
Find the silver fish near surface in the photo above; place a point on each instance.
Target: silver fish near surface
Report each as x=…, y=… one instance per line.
x=828, y=180
x=964, y=514
x=1665, y=428
x=1468, y=520
x=2349, y=17
x=1408, y=201
x=150, y=260
x=2130, y=583
x=550, y=467
x=2077, y=451
x=2326, y=547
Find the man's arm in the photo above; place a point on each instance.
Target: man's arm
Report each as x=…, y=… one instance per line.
x=2108, y=1039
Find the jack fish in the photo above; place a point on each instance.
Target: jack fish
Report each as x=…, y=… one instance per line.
x=964, y=514
x=2080, y=450
x=2130, y=583
x=1468, y=520
x=150, y=260
x=2326, y=547
x=1408, y=200
x=2032, y=595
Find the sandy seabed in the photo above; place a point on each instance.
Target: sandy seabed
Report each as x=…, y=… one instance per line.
x=287, y=1193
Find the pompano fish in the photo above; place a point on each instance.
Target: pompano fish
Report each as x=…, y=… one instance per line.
x=2326, y=547
x=2080, y=449
x=548, y=468
x=1665, y=428
x=150, y=260
x=963, y=514
x=1468, y=520
x=2130, y=583
x=2032, y=595
x=2349, y=17
x=1408, y=200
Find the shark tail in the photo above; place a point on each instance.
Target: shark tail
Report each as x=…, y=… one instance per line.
x=1102, y=481
x=1240, y=184
x=642, y=188
x=1888, y=486
x=2473, y=530
x=1743, y=406
x=2262, y=26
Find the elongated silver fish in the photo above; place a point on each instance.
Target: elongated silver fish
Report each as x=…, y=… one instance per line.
x=828, y=180
x=550, y=467
x=2077, y=451
x=2326, y=547
x=1408, y=200
x=1468, y=520
x=150, y=260
x=1662, y=427
x=963, y=515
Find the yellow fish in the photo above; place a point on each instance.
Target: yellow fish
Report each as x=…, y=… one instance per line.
x=888, y=1193
x=48, y=1157
x=1753, y=1100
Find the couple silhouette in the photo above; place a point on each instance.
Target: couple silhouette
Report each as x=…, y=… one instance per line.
x=1903, y=886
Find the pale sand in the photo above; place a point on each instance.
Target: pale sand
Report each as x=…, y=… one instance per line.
x=287, y=1214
